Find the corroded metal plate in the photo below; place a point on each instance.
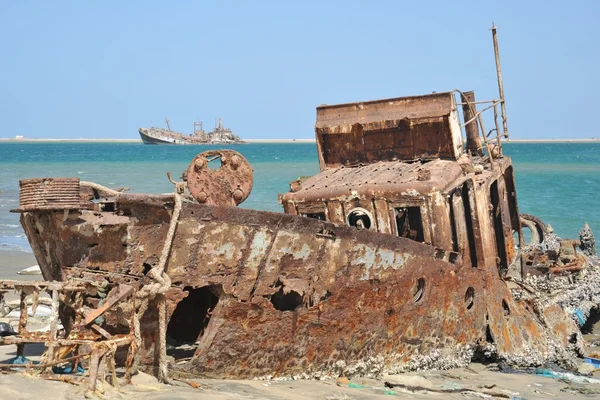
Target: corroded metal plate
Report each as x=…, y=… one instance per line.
x=230, y=184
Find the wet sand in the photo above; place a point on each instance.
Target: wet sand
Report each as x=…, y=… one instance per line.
x=12, y=262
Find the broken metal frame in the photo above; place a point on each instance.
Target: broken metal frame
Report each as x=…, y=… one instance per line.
x=494, y=145
x=102, y=345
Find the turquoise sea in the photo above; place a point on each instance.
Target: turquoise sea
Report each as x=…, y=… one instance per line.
x=558, y=182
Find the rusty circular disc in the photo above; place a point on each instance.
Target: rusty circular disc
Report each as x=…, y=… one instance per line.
x=230, y=184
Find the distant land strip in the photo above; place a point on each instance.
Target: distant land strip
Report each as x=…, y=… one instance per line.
x=102, y=140
x=91, y=140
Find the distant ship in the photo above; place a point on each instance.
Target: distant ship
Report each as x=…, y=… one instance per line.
x=219, y=135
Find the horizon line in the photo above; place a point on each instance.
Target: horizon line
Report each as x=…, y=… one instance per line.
x=278, y=140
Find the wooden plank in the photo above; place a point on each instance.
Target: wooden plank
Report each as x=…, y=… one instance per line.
x=53, y=327
x=116, y=340
x=52, y=285
x=113, y=298
x=22, y=322
x=101, y=331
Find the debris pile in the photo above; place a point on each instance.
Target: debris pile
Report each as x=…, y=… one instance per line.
x=82, y=341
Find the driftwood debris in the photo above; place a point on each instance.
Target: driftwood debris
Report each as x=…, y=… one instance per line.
x=77, y=342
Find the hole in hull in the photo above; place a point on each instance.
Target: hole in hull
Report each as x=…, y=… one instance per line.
x=147, y=268
x=488, y=332
x=505, y=308
x=325, y=296
x=419, y=290
x=488, y=335
x=191, y=317
x=592, y=324
x=286, y=301
x=470, y=298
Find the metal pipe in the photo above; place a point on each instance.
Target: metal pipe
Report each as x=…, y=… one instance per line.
x=53, y=330
x=477, y=114
x=498, y=137
x=473, y=140
x=22, y=322
x=487, y=145
x=500, y=85
x=478, y=102
x=480, y=120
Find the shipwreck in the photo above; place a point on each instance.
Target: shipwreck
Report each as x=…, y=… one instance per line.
x=406, y=251
x=219, y=135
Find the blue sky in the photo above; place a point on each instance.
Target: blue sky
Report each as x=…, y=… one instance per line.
x=102, y=69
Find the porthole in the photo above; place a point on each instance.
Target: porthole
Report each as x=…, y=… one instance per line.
x=359, y=218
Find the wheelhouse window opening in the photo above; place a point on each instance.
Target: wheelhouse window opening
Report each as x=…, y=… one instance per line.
x=318, y=215
x=360, y=218
x=515, y=220
x=409, y=223
x=462, y=242
x=453, y=227
x=498, y=228
x=469, y=209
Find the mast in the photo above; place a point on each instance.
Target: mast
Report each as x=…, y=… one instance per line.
x=167, y=121
x=198, y=129
x=500, y=85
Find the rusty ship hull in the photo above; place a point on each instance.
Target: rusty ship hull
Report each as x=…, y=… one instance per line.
x=290, y=299
x=219, y=135
x=148, y=138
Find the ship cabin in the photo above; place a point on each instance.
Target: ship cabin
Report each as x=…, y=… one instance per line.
x=401, y=167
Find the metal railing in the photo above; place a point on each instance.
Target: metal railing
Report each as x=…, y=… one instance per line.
x=493, y=144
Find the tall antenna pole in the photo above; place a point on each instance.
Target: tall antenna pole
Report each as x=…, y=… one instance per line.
x=500, y=85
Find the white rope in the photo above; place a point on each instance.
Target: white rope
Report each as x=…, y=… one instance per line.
x=101, y=188
x=157, y=289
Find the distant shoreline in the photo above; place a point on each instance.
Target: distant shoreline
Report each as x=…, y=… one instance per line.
x=280, y=140
x=90, y=140
x=591, y=140
x=80, y=140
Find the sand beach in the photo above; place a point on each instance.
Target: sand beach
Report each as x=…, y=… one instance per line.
x=12, y=262
x=475, y=382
